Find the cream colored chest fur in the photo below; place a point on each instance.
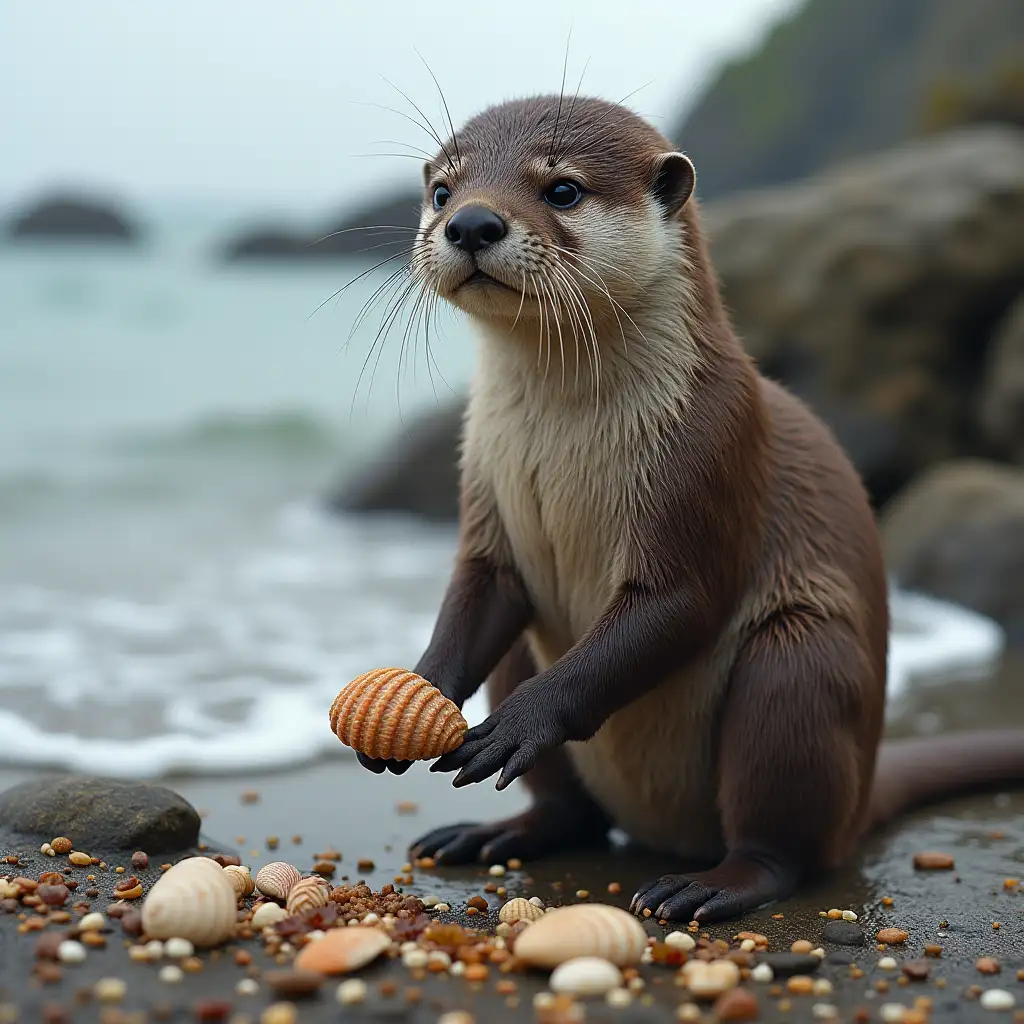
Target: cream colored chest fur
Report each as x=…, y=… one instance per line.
x=563, y=479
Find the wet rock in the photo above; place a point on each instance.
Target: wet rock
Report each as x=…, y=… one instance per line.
x=103, y=814
x=785, y=965
x=843, y=933
x=417, y=473
x=840, y=958
x=873, y=289
x=1002, y=400
x=71, y=217
x=958, y=533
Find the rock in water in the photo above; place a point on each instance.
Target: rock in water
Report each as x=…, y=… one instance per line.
x=98, y=813
x=70, y=217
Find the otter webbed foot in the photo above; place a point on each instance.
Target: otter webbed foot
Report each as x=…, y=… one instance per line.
x=740, y=883
x=542, y=830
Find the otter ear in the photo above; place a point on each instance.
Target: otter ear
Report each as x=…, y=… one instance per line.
x=428, y=173
x=673, y=181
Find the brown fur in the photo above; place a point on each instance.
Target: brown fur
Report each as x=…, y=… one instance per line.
x=667, y=565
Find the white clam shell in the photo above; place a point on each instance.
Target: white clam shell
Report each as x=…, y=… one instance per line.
x=277, y=879
x=585, y=976
x=518, y=909
x=308, y=893
x=267, y=914
x=708, y=980
x=240, y=879
x=590, y=929
x=191, y=901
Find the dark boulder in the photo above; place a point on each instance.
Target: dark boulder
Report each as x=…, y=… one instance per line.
x=1002, y=400
x=100, y=813
x=67, y=217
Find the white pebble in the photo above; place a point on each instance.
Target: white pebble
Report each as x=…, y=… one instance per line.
x=137, y=954
x=819, y=953
x=71, y=952
x=747, y=945
x=892, y=1013
x=351, y=992
x=171, y=974
x=822, y=987
x=429, y=901
x=370, y=919
x=178, y=949
x=688, y=1011
x=154, y=949
x=496, y=870
x=315, y=934
x=268, y=914
x=824, y=1011
x=762, y=973
x=415, y=959
x=443, y=907
x=887, y=963
x=680, y=940
x=439, y=956
x=407, y=947
x=849, y=915
x=997, y=999
x=536, y=901
x=109, y=990
x=618, y=997
x=647, y=956
x=585, y=976
x=247, y=987
x=457, y=968
x=92, y=922
x=47, y=849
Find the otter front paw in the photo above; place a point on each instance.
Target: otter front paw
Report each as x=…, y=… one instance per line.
x=738, y=884
x=511, y=740
x=377, y=765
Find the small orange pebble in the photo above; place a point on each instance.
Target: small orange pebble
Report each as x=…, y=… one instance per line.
x=413, y=995
x=471, y=911
x=505, y=987
x=365, y=864
x=882, y=985
x=801, y=946
x=647, y=913
x=476, y=972
x=892, y=936
x=250, y=796
x=1011, y=884
x=933, y=951
x=243, y=957
x=778, y=917
x=933, y=860
x=800, y=985
x=514, y=864
x=614, y=888
x=996, y=925
x=407, y=807
x=834, y=915
x=426, y=863
x=324, y=867
x=887, y=901
x=1020, y=974
x=387, y=989
x=988, y=965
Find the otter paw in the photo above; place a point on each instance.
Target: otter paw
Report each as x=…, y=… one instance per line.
x=725, y=892
x=469, y=842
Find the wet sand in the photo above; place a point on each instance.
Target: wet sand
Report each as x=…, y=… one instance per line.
x=338, y=804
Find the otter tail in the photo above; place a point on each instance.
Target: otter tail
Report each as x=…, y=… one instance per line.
x=916, y=771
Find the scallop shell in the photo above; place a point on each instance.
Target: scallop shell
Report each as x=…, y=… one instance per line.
x=587, y=929
x=392, y=713
x=240, y=879
x=192, y=902
x=585, y=976
x=306, y=894
x=519, y=909
x=277, y=879
x=342, y=950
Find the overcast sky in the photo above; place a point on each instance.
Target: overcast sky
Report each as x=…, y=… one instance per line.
x=263, y=100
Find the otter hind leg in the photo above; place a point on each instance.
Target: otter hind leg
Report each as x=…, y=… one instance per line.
x=793, y=771
x=563, y=815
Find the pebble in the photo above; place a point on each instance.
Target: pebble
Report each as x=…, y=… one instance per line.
x=849, y=915
x=267, y=914
x=680, y=940
x=71, y=952
x=762, y=973
x=294, y=983
x=737, y=1004
x=932, y=860
x=585, y=976
x=839, y=957
x=997, y=999
x=456, y=1017
x=784, y=965
x=800, y=985
x=92, y=922
x=351, y=992
x=709, y=980
x=824, y=1011
x=988, y=965
x=887, y=963
x=843, y=933
x=822, y=987
x=247, y=987
x=618, y=997
x=178, y=948
x=891, y=1013
x=279, y=1013
x=892, y=936
x=496, y=870
x=171, y=974
x=801, y=946
x=415, y=959
x=80, y=860
x=916, y=970
x=109, y=990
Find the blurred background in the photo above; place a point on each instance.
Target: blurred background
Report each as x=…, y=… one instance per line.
x=216, y=506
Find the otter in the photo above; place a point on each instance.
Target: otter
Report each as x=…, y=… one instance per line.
x=668, y=573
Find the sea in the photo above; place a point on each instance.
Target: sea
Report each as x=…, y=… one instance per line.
x=173, y=597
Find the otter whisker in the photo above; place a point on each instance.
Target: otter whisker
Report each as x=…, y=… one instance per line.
x=572, y=107
x=412, y=120
x=522, y=299
x=583, y=313
x=556, y=312
x=559, y=287
x=561, y=95
x=375, y=298
x=444, y=103
x=433, y=131
x=591, y=344
x=359, y=277
x=408, y=145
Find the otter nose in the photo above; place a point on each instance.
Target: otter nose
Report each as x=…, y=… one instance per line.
x=474, y=228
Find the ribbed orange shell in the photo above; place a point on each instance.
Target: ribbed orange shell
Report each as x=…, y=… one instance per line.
x=391, y=712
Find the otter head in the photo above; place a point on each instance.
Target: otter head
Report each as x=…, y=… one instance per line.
x=551, y=208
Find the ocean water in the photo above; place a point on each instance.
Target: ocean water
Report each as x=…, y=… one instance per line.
x=171, y=598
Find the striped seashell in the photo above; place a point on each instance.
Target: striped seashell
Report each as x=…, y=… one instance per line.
x=392, y=713
x=191, y=901
x=587, y=929
x=341, y=950
x=240, y=879
x=277, y=879
x=519, y=909
x=306, y=894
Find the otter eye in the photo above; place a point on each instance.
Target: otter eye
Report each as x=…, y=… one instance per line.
x=441, y=196
x=563, y=194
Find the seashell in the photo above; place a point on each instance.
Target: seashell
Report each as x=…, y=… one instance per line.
x=519, y=909
x=191, y=901
x=585, y=976
x=306, y=894
x=586, y=929
x=240, y=879
x=392, y=713
x=267, y=914
x=342, y=950
x=277, y=879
